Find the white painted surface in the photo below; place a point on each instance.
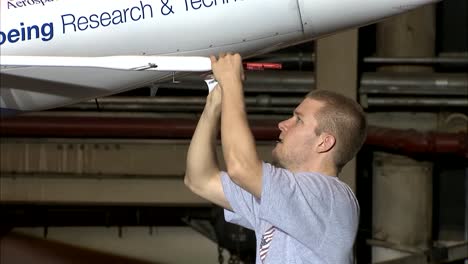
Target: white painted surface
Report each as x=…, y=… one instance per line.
x=84, y=28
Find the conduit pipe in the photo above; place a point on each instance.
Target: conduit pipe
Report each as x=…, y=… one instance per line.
x=407, y=142
x=309, y=57
x=184, y=104
x=113, y=127
x=410, y=141
x=371, y=82
x=376, y=89
x=461, y=60
x=256, y=81
x=415, y=83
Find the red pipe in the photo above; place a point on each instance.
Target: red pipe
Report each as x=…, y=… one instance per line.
x=113, y=127
x=404, y=141
x=96, y=127
x=410, y=141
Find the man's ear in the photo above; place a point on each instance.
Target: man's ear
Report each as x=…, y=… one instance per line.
x=326, y=143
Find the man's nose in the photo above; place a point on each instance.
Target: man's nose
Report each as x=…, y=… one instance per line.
x=283, y=125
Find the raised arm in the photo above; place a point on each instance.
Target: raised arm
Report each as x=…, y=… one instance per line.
x=239, y=149
x=202, y=173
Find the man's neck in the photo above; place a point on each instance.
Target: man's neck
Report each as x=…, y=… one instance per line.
x=318, y=167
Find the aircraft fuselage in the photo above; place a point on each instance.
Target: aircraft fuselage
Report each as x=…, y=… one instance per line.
x=86, y=28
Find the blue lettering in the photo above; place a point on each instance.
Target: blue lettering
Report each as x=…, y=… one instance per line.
x=25, y=3
x=10, y=4
x=47, y=31
x=196, y=2
x=2, y=38
x=26, y=33
x=64, y=24
x=95, y=20
x=143, y=9
x=82, y=21
x=212, y=2
x=131, y=13
x=23, y=33
x=105, y=17
x=13, y=35
x=125, y=14
x=30, y=28
x=117, y=19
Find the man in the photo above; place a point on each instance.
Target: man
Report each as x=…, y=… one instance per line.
x=301, y=212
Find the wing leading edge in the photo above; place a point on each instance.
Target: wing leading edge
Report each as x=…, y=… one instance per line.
x=157, y=63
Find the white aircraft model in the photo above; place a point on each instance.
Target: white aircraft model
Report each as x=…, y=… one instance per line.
x=59, y=52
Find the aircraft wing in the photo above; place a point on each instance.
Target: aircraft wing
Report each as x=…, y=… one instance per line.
x=138, y=63
x=41, y=82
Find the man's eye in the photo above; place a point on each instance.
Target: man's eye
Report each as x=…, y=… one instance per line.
x=298, y=120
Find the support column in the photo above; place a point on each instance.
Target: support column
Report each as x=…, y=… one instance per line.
x=402, y=187
x=336, y=70
x=402, y=206
x=408, y=35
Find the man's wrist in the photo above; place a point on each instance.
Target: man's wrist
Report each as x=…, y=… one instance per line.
x=212, y=112
x=230, y=81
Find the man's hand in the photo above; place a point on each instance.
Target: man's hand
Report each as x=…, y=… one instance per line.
x=228, y=68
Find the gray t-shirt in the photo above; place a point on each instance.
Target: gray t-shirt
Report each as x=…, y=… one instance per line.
x=315, y=216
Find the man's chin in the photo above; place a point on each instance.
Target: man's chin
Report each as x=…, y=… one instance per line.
x=275, y=160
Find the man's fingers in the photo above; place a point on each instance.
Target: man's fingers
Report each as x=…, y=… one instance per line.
x=213, y=59
x=227, y=61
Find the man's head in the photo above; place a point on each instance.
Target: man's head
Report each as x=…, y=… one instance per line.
x=325, y=127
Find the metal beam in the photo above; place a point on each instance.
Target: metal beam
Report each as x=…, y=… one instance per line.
x=98, y=171
x=26, y=189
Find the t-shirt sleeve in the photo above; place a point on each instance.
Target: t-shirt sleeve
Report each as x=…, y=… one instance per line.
x=245, y=206
x=295, y=204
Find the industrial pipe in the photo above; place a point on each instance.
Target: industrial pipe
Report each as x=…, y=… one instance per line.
x=403, y=141
x=410, y=141
x=401, y=83
x=309, y=57
x=255, y=81
x=376, y=89
x=184, y=104
x=415, y=102
x=257, y=104
x=371, y=82
x=111, y=127
x=418, y=60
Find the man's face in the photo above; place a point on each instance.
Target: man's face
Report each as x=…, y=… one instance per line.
x=297, y=138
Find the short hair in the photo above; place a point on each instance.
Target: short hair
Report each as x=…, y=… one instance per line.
x=345, y=119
